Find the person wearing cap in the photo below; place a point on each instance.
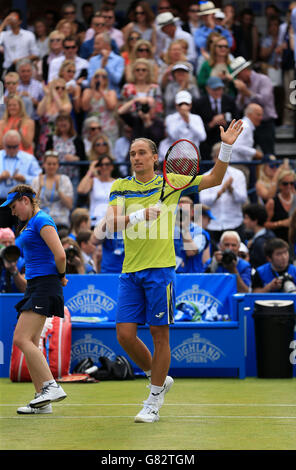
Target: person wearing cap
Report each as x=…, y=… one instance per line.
x=16, y=166
x=182, y=80
x=45, y=262
x=254, y=87
x=216, y=109
x=183, y=124
x=206, y=14
x=167, y=23
x=192, y=242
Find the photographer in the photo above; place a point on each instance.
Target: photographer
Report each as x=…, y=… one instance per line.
x=74, y=258
x=226, y=260
x=140, y=114
x=277, y=275
x=11, y=280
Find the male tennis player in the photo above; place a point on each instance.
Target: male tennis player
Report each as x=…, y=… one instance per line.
x=146, y=288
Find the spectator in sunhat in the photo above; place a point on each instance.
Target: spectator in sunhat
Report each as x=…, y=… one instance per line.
x=254, y=87
x=167, y=23
x=206, y=13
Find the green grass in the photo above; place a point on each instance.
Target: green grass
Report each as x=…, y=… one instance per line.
x=198, y=414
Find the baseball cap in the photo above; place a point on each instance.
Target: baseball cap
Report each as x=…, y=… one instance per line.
x=183, y=97
x=215, y=82
x=206, y=211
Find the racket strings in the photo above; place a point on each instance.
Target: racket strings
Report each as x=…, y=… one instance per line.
x=182, y=161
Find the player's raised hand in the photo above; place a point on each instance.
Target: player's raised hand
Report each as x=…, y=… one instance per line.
x=231, y=134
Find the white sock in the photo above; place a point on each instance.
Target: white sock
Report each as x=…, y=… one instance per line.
x=148, y=374
x=154, y=393
x=50, y=382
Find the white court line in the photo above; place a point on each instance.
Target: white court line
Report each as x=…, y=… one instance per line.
x=162, y=416
x=169, y=404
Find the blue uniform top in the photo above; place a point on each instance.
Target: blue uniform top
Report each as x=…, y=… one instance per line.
x=267, y=274
x=243, y=267
x=191, y=264
x=113, y=255
x=39, y=259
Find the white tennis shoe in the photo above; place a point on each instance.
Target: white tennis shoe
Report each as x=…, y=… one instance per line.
x=169, y=381
x=148, y=414
x=28, y=410
x=50, y=393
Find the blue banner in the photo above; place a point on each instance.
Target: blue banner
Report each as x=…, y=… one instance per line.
x=199, y=297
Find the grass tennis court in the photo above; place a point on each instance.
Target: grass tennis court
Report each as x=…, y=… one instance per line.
x=198, y=414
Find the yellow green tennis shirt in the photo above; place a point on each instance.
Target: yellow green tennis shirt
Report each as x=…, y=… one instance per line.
x=152, y=245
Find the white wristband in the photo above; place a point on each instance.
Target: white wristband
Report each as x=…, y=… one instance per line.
x=225, y=153
x=136, y=217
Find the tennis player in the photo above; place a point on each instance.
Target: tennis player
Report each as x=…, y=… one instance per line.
x=146, y=287
x=45, y=263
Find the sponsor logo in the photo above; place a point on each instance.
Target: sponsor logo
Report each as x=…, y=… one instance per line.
x=160, y=315
x=197, y=350
x=207, y=306
x=89, y=346
x=91, y=300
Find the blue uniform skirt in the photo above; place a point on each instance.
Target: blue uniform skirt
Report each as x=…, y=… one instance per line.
x=43, y=295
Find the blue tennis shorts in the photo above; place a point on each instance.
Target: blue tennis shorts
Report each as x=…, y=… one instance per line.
x=147, y=296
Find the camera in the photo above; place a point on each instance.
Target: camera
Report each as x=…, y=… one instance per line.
x=288, y=284
x=227, y=257
x=144, y=107
x=10, y=253
x=71, y=252
x=98, y=84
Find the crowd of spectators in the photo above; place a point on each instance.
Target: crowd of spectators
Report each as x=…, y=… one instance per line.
x=76, y=93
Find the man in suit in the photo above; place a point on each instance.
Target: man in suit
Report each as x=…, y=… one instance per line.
x=216, y=109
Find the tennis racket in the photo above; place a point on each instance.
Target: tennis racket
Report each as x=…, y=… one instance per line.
x=181, y=159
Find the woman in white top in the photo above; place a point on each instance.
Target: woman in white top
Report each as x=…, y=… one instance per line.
x=97, y=183
x=55, y=191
